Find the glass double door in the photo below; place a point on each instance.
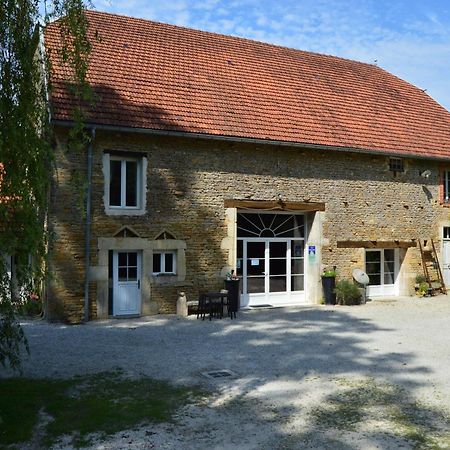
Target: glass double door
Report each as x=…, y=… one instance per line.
x=272, y=271
x=382, y=267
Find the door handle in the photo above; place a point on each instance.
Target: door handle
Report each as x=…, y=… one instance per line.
x=139, y=284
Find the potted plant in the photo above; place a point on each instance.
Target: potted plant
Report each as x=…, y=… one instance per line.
x=328, y=285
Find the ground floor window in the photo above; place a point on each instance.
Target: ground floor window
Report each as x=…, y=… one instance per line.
x=380, y=266
x=164, y=263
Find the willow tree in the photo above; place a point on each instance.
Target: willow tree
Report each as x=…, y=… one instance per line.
x=26, y=149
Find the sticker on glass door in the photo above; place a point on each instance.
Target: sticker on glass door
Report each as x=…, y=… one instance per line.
x=127, y=283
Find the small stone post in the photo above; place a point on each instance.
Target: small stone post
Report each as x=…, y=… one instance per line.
x=182, y=309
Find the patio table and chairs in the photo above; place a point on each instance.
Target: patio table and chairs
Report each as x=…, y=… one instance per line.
x=212, y=304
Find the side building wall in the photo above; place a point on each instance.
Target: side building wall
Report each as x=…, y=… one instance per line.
x=187, y=182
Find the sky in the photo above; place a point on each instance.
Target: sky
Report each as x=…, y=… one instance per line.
x=409, y=38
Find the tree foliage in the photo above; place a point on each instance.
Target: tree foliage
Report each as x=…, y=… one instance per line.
x=26, y=155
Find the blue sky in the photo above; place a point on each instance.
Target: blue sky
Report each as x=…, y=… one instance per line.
x=410, y=38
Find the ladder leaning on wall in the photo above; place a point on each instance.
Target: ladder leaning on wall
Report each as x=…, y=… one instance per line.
x=431, y=267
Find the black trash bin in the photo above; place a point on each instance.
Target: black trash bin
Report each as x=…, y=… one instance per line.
x=328, y=285
x=234, y=292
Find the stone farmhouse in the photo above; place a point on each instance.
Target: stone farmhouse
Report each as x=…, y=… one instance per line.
x=212, y=153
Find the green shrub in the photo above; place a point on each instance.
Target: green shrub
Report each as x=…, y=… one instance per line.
x=31, y=307
x=347, y=293
x=423, y=288
x=420, y=279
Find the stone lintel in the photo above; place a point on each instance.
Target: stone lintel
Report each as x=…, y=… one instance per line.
x=274, y=205
x=377, y=244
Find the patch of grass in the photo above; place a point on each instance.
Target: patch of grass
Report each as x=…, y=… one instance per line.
x=104, y=403
x=364, y=401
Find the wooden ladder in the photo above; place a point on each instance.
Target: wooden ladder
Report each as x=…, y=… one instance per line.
x=432, y=268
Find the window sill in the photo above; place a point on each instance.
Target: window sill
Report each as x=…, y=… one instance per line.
x=167, y=280
x=124, y=211
x=171, y=284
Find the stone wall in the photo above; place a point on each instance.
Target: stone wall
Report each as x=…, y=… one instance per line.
x=188, y=181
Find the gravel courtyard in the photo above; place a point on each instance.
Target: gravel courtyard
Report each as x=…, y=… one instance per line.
x=292, y=369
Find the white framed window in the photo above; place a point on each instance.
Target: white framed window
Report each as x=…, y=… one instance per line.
x=382, y=266
x=165, y=263
x=125, y=184
x=446, y=180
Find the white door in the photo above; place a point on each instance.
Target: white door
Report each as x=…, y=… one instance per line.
x=272, y=271
x=382, y=267
x=127, y=283
x=270, y=258
x=446, y=256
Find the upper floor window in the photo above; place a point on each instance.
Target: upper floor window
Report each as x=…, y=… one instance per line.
x=396, y=165
x=446, y=186
x=124, y=184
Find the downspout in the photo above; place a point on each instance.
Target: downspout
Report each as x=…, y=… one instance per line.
x=88, y=225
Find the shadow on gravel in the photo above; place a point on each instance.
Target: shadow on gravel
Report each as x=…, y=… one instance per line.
x=385, y=415
x=274, y=353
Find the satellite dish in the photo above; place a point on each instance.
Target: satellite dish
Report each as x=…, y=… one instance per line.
x=360, y=276
x=425, y=173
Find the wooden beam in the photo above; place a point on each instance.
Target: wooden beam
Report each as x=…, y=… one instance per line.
x=377, y=244
x=274, y=205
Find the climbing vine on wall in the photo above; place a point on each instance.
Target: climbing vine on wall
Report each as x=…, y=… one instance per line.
x=26, y=155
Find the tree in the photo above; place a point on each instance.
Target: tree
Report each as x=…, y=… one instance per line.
x=25, y=148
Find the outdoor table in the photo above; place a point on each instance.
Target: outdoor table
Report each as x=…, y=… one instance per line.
x=214, y=300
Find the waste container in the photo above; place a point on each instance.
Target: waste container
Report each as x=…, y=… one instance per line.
x=328, y=285
x=234, y=293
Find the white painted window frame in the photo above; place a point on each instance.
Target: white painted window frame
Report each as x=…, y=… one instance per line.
x=383, y=289
x=446, y=186
x=162, y=260
x=141, y=190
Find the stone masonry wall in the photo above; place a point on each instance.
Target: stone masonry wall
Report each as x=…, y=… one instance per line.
x=188, y=181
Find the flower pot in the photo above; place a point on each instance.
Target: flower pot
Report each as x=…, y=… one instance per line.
x=328, y=285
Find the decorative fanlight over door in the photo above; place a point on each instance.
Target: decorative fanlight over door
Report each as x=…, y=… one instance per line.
x=270, y=225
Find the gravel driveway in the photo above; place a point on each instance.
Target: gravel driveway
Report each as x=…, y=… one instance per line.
x=286, y=364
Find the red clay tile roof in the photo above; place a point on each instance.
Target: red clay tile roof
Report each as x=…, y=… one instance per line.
x=163, y=77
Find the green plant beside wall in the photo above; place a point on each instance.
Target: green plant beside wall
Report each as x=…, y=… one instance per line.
x=422, y=289
x=329, y=273
x=347, y=293
x=420, y=279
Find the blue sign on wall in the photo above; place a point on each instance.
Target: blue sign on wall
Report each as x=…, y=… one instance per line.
x=312, y=253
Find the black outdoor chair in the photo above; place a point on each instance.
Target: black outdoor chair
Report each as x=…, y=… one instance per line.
x=203, y=306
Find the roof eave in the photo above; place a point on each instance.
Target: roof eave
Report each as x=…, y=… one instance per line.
x=303, y=145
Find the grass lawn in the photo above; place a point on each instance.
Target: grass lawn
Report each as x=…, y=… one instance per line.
x=104, y=403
